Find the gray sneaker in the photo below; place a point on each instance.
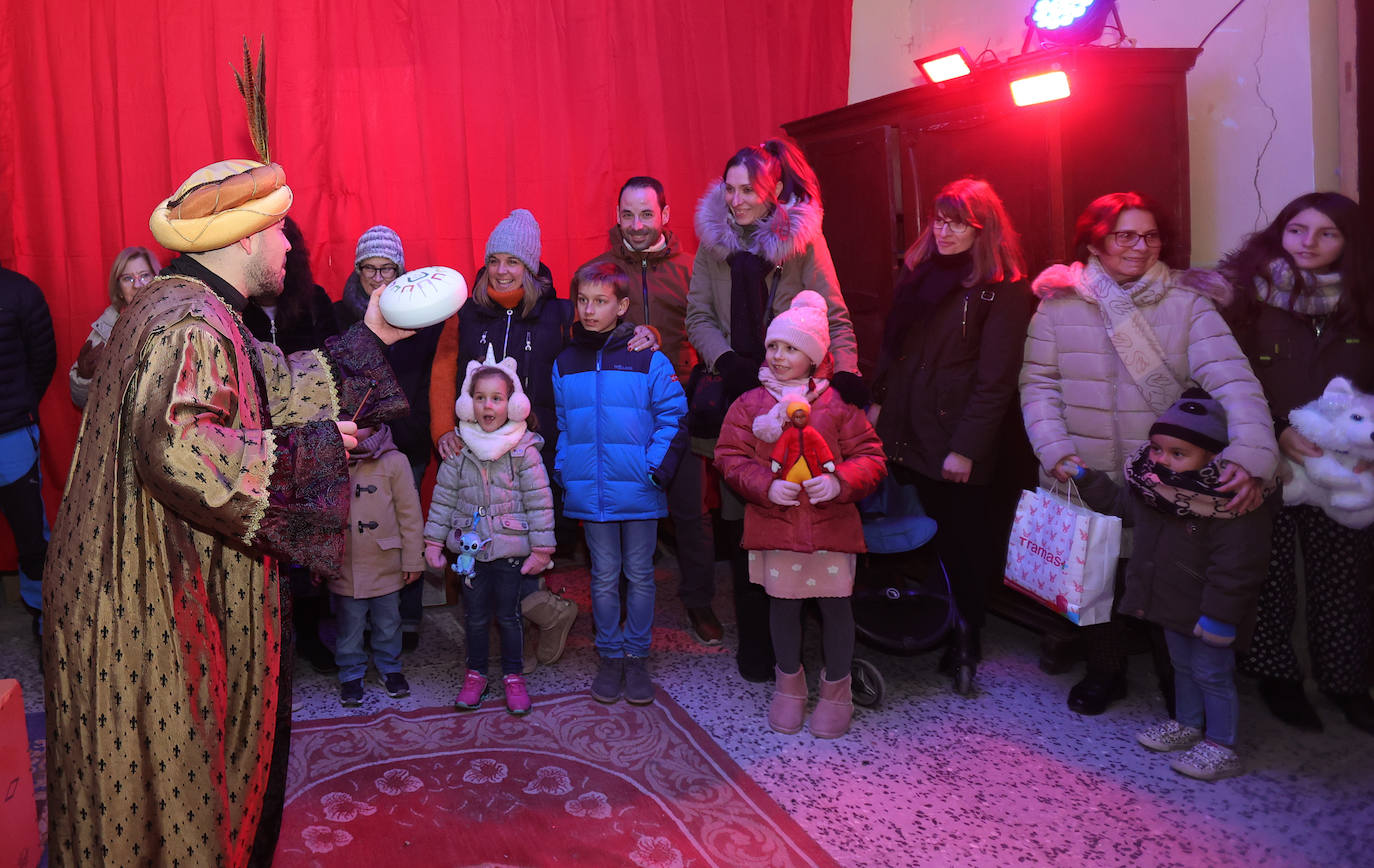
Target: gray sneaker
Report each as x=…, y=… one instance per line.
x=609, y=680
x=1169, y=735
x=1209, y=761
x=639, y=689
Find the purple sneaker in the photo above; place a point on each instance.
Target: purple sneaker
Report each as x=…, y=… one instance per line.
x=517, y=696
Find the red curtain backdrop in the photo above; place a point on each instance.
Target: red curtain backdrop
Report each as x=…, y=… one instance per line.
x=432, y=116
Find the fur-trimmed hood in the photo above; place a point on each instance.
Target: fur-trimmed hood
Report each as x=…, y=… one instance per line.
x=1059, y=281
x=783, y=234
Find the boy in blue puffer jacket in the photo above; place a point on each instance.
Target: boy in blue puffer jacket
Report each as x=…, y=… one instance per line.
x=622, y=432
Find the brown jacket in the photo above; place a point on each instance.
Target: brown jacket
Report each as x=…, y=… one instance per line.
x=659, y=280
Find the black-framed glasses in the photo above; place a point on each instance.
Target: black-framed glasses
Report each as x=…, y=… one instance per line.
x=387, y=272
x=955, y=227
x=1129, y=238
x=143, y=278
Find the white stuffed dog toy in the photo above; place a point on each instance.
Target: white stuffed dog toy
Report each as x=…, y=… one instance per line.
x=1341, y=422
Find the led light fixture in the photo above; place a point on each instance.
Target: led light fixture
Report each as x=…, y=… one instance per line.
x=1045, y=87
x=1069, y=22
x=944, y=66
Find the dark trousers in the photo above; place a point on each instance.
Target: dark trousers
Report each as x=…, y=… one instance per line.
x=972, y=551
x=494, y=595
x=696, y=548
x=751, y=605
x=412, y=595
x=1338, y=579
x=22, y=504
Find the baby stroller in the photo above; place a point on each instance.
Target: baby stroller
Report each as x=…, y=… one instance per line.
x=902, y=598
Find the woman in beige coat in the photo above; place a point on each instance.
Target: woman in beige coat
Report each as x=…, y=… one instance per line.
x=1116, y=339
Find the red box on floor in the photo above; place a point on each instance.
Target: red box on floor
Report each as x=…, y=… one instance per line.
x=18, y=814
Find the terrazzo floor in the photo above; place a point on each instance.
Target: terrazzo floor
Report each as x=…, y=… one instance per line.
x=929, y=778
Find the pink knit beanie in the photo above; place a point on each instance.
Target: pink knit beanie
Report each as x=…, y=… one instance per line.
x=805, y=325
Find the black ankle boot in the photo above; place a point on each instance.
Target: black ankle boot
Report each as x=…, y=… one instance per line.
x=1096, y=692
x=967, y=653
x=1358, y=708
x=1287, y=701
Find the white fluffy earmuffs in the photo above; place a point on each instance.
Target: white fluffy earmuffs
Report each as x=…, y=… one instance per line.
x=518, y=405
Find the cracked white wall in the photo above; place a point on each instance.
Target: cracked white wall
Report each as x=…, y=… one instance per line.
x=1264, y=122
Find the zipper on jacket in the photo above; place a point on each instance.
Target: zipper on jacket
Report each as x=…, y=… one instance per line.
x=644, y=283
x=963, y=320
x=600, y=471
x=505, y=341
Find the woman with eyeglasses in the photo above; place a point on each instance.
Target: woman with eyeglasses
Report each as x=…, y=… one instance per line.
x=379, y=258
x=946, y=381
x=1116, y=339
x=133, y=269
x=1304, y=313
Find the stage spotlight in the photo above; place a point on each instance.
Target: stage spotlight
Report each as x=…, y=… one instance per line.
x=1069, y=22
x=1046, y=87
x=944, y=66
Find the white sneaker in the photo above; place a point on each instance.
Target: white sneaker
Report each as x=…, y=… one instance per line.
x=1209, y=761
x=1169, y=735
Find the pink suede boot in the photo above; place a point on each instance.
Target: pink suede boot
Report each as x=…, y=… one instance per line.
x=833, y=709
x=788, y=707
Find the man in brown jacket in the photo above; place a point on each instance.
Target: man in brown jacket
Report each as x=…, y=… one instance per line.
x=659, y=276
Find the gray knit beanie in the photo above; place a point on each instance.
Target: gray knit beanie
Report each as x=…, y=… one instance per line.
x=1196, y=418
x=381, y=241
x=517, y=235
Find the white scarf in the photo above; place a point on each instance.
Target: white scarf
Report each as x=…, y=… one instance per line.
x=768, y=426
x=491, y=445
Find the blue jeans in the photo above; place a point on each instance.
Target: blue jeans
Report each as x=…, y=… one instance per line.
x=495, y=591
x=1205, y=687
x=352, y=614
x=628, y=546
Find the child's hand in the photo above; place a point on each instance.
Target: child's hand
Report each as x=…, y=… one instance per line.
x=1069, y=468
x=536, y=563
x=434, y=555
x=1214, y=632
x=409, y=576
x=822, y=488
x=784, y=493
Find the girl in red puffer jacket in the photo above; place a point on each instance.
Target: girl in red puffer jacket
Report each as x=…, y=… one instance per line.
x=801, y=526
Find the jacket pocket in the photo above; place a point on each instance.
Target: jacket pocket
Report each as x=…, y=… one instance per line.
x=514, y=522
x=388, y=542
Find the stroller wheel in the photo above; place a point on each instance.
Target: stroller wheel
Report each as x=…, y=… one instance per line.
x=963, y=680
x=866, y=684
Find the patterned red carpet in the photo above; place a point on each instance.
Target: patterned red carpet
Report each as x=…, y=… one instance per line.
x=575, y=783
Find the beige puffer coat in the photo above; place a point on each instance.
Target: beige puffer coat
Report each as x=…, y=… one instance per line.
x=1078, y=399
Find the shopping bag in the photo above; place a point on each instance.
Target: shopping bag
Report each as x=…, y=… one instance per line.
x=1064, y=555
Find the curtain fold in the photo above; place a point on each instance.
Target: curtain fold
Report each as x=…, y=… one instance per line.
x=433, y=117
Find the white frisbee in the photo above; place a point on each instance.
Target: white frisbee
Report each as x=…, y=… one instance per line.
x=423, y=297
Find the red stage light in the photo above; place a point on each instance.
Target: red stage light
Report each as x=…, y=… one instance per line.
x=1046, y=87
x=945, y=66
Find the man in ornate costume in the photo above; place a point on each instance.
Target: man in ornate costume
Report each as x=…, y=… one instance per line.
x=203, y=457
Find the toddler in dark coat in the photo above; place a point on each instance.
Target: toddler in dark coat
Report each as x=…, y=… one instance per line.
x=1196, y=570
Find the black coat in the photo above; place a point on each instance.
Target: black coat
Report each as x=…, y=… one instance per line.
x=535, y=340
x=1184, y=567
x=28, y=352
x=1294, y=360
x=946, y=376
x=300, y=324
x=410, y=361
